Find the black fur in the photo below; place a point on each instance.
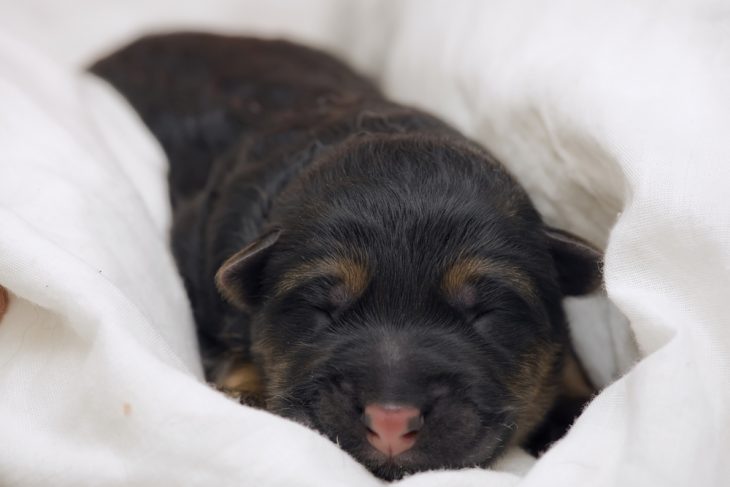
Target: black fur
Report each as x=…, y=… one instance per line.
x=285, y=150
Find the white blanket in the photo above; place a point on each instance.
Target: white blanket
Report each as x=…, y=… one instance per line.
x=606, y=111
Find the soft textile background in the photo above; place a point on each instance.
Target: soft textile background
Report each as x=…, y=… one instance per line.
x=607, y=112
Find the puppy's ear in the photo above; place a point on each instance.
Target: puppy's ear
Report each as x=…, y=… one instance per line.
x=579, y=264
x=238, y=279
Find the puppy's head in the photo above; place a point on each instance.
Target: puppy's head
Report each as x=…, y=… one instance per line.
x=410, y=311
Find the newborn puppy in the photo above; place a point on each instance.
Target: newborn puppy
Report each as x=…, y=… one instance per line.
x=391, y=283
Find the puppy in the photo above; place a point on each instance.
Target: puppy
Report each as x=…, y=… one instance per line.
x=388, y=281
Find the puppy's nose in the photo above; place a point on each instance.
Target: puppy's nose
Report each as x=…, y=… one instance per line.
x=392, y=429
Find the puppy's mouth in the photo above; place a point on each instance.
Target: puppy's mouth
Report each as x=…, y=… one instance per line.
x=391, y=470
x=418, y=451
x=392, y=467
x=395, y=440
x=414, y=460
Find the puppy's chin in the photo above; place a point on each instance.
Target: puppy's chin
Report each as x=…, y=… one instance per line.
x=475, y=440
x=414, y=461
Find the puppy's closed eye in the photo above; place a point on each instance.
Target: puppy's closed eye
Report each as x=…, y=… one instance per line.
x=319, y=301
x=466, y=279
x=331, y=283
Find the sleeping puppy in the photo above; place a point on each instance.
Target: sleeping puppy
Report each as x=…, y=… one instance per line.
x=387, y=280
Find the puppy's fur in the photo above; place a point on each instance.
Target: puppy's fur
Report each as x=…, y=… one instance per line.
x=3, y=302
x=366, y=251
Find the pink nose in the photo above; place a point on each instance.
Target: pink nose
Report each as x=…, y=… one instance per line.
x=392, y=429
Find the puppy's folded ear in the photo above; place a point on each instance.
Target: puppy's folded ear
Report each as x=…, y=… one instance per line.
x=239, y=278
x=579, y=264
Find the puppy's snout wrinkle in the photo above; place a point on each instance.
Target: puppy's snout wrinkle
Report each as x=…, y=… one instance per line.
x=392, y=429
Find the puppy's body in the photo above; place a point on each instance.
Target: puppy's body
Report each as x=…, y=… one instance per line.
x=374, y=258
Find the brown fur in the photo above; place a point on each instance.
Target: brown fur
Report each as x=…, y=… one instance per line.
x=575, y=382
x=242, y=381
x=535, y=388
x=568, y=393
x=353, y=275
x=466, y=269
x=3, y=302
x=242, y=378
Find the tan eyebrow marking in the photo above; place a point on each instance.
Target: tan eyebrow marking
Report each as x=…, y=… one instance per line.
x=354, y=275
x=462, y=271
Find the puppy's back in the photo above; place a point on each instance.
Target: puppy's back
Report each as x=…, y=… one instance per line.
x=200, y=93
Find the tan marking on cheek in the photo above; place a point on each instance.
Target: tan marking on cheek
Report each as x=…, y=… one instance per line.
x=241, y=381
x=576, y=384
x=4, y=300
x=535, y=386
x=127, y=409
x=353, y=275
x=464, y=270
x=275, y=390
x=273, y=372
x=242, y=378
x=278, y=373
